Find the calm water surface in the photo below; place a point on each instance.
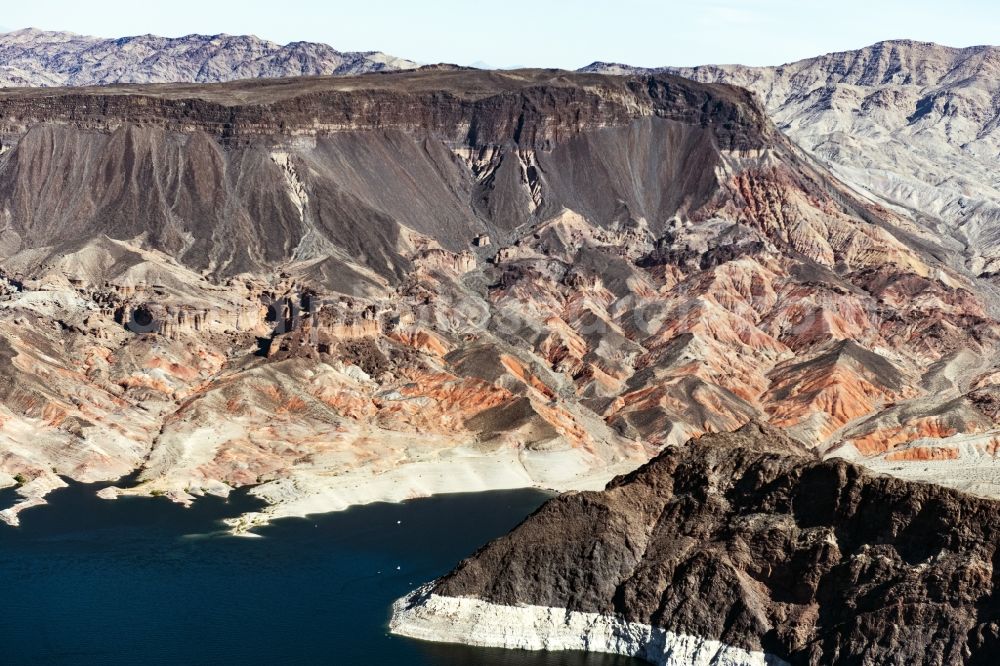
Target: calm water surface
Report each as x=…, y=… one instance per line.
x=145, y=581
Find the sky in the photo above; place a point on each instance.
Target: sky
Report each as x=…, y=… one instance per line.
x=542, y=33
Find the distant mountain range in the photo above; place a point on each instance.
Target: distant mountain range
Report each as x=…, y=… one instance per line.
x=915, y=123
x=34, y=57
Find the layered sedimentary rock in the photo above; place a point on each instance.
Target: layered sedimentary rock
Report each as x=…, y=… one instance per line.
x=912, y=125
x=286, y=284
x=734, y=549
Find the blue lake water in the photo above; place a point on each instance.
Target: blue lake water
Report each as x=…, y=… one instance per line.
x=146, y=581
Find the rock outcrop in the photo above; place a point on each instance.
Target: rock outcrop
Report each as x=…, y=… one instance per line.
x=735, y=549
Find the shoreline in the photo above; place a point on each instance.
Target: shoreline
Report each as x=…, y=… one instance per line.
x=305, y=494
x=313, y=492
x=425, y=616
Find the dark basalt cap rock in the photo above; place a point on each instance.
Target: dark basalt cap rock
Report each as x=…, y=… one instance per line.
x=529, y=107
x=180, y=162
x=746, y=538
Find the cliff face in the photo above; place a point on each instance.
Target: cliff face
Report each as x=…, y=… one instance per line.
x=346, y=289
x=447, y=154
x=470, y=106
x=730, y=538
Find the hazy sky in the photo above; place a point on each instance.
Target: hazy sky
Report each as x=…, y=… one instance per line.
x=557, y=33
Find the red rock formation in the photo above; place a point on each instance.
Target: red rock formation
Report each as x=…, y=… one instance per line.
x=662, y=264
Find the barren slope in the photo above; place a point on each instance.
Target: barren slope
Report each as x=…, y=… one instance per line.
x=358, y=288
x=914, y=123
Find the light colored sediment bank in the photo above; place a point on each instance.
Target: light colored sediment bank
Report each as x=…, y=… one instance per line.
x=319, y=488
x=305, y=494
x=431, y=617
x=32, y=494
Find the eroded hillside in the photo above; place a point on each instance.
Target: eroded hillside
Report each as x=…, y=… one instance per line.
x=342, y=290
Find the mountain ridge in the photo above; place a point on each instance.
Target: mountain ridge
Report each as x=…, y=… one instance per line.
x=33, y=57
x=601, y=65
x=913, y=123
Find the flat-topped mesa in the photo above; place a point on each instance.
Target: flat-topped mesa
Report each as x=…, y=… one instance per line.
x=344, y=170
x=731, y=550
x=531, y=108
